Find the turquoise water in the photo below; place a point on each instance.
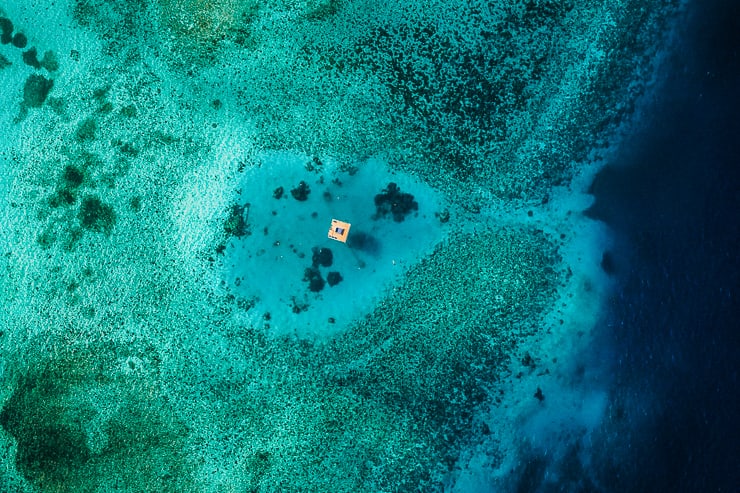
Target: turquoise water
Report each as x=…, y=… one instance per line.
x=284, y=236
x=159, y=330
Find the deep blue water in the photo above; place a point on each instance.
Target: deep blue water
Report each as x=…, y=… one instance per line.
x=673, y=199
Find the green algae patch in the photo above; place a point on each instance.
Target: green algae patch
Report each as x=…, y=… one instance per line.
x=96, y=417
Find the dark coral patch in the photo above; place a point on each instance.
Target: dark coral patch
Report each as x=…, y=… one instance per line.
x=62, y=197
x=334, y=278
x=65, y=443
x=72, y=176
x=49, y=61
x=236, y=224
x=301, y=192
x=20, y=40
x=315, y=281
x=96, y=216
x=31, y=58
x=7, y=30
x=42, y=445
x=392, y=201
x=322, y=256
x=86, y=130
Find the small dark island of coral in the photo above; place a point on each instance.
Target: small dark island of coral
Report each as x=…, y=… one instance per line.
x=395, y=202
